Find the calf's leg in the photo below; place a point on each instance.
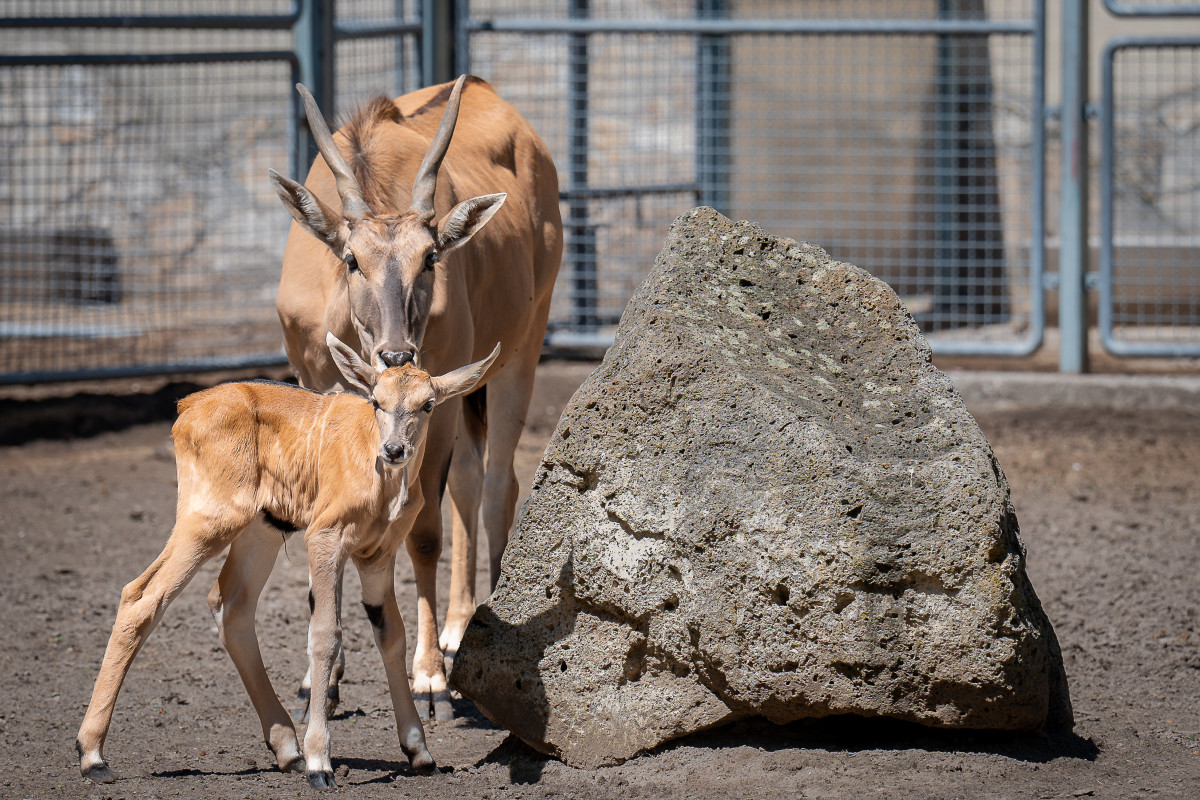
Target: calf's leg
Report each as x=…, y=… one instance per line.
x=194, y=540
x=379, y=601
x=233, y=601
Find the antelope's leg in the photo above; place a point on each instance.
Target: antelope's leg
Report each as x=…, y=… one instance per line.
x=233, y=601
x=508, y=402
x=424, y=546
x=325, y=562
x=379, y=601
x=466, y=491
x=333, y=694
x=143, y=601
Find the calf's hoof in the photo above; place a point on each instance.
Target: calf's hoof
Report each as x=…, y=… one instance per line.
x=422, y=763
x=92, y=766
x=98, y=773
x=295, y=764
x=321, y=780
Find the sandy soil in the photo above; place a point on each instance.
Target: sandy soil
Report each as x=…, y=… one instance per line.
x=1109, y=505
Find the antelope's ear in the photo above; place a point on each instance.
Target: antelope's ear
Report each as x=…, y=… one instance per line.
x=465, y=220
x=463, y=379
x=313, y=215
x=360, y=375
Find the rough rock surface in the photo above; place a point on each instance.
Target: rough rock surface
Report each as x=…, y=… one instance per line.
x=765, y=501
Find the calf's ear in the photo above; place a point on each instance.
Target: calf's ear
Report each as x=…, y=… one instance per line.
x=359, y=375
x=463, y=379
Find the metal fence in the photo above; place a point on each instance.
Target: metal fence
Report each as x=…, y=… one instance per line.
x=905, y=137
x=139, y=234
x=1149, y=279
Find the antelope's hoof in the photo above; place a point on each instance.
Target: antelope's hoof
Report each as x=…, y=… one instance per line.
x=295, y=764
x=423, y=702
x=422, y=763
x=321, y=780
x=443, y=709
x=98, y=773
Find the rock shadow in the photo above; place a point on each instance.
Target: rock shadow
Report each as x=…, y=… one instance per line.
x=528, y=704
x=849, y=733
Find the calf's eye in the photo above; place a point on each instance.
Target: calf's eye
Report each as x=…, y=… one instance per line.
x=429, y=404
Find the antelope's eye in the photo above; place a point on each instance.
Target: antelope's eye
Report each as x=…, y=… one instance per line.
x=429, y=404
x=351, y=262
x=431, y=258
x=374, y=403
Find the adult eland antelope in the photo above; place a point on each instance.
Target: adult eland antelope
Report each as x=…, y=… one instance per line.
x=409, y=263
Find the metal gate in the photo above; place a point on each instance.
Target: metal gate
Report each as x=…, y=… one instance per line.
x=1149, y=278
x=905, y=137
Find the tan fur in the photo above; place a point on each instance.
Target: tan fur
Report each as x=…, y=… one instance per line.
x=322, y=463
x=496, y=287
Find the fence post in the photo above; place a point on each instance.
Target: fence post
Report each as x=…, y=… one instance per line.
x=1073, y=224
x=314, y=50
x=437, y=41
x=581, y=249
x=713, y=53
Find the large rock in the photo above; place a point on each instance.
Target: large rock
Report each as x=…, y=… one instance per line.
x=766, y=501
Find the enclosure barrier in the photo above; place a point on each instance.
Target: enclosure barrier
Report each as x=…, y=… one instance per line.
x=140, y=235
x=1149, y=277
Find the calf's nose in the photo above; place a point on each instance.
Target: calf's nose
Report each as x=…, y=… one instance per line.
x=393, y=452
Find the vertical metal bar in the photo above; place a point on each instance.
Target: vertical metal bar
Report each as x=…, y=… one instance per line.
x=462, y=37
x=581, y=252
x=401, y=71
x=943, y=280
x=1073, y=234
x=437, y=41
x=713, y=110
x=1037, y=239
x=1107, y=187
x=314, y=41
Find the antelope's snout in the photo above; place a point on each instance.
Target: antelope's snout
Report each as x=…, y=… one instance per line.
x=395, y=454
x=397, y=358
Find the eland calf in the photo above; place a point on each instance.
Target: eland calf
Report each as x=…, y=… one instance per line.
x=339, y=466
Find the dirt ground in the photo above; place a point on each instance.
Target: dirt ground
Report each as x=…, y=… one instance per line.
x=1109, y=506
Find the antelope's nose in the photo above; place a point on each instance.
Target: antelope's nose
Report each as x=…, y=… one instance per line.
x=393, y=452
x=395, y=358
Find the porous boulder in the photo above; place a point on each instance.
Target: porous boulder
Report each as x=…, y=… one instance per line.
x=765, y=501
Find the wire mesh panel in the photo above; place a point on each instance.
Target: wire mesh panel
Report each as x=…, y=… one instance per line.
x=1150, y=238
x=139, y=231
x=902, y=136
x=371, y=57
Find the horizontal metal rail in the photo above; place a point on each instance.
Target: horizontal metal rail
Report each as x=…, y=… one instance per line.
x=179, y=21
x=1111, y=343
x=1119, y=9
x=117, y=59
x=366, y=29
x=766, y=27
x=143, y=370
x=608, y=193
